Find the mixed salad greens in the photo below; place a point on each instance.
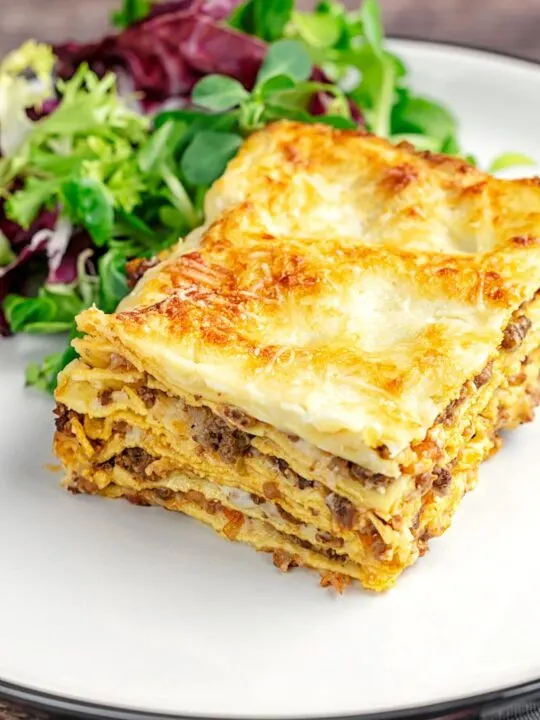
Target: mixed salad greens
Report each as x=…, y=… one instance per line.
x=107, y=149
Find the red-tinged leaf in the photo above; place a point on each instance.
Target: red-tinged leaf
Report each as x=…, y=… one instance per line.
x=165, y=55
x=168, y=52
x=40, y=255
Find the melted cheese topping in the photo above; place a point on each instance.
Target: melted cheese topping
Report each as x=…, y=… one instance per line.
x=343, y=289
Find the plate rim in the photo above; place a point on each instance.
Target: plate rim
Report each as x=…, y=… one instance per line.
x=494, y=699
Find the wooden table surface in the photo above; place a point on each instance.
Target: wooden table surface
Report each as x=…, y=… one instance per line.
x=511, y=26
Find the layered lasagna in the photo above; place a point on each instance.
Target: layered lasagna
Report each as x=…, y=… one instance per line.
x=321, y=368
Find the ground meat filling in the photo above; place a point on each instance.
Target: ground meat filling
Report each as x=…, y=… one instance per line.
x=215, y=434
x=485, y=376
x=107, y=465
x=423, y=482
x=327, y=552
x=450, y=412
x=304, y=484
x=148, y=396
x=327, y=539
x=135, y=269
x=368, y=479
x=230, y=441
x=443, y=480
x=118, y=363
x=134, y=460
x=238, y=418
x=105, y=397
x=64, y=416
x=81, y=485
x=343, y=510
x=287, y=515
x=164, y=493
x=271, y=491
x=120, y=427
x=515, y=333
x=285, y=469
x=284, y=561
x=257, y=499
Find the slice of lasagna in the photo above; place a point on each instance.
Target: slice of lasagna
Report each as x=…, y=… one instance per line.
x=320, y=370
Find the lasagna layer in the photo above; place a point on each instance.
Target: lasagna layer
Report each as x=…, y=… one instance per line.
x=121, y=435
x=321, y=368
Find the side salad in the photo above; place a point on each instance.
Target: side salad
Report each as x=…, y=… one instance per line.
x=107, y=149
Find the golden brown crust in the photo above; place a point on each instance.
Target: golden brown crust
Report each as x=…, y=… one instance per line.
x=343, y=289
x=319, y=370
x=119, y=433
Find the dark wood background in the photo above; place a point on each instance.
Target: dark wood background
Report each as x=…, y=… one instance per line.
x=511, y=26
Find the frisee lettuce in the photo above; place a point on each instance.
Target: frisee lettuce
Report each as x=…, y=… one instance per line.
x=25, y=82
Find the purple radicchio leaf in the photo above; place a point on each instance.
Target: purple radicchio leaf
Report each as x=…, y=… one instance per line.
x=168, y=52
x=163, y=56
x=47, y=252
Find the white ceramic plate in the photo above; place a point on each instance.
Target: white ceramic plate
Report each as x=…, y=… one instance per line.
x=110, y=608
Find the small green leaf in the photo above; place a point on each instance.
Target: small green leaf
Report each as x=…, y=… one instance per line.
x=54, y=364
x=23, y=205
x=251, y=116
x=266, y=19
x=159, y=147
x=399, y=66
x=132, y=12
x=188, y=117
x=285, y=57
x=415, y=114
x=376, y=92
x=242, y=18
x=218, y=93
x=320, y=30
x=52, y=311
x=336, y=121
x=450, y=145
x=297, y=97
x=33, y=377
x=43, y=377
x=129, y=224
x=87, y=282
x=275, y=112
x=190, y=122
x=173, y=218
x=330, y=7
x=383, y=105
x=301, y=95
x=510, y=159
x=179, y=198
x=87, y=203
x=275, y=84
x=206, y=157
x=271, y=17
x=67, y=302
x=112, y=273
x=23, y=312
x=38, y=376
x=6, y=253
x=370, y=16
